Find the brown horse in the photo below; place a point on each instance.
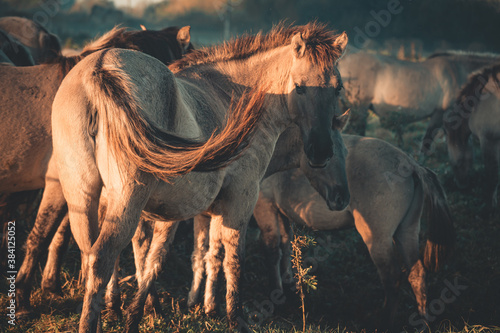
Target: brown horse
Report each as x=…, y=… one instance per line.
x=401, y=92
x=477, y=112
x=26, y=154
x=97, y=145
x=379, y=175
x=41, y=44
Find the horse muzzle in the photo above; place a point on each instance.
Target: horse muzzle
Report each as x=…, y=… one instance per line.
x=339, y=198
x=315, y=165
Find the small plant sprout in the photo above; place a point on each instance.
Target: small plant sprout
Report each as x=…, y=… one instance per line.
x=302, y=276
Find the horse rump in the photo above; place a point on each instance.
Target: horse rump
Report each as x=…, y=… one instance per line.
x=132, y=138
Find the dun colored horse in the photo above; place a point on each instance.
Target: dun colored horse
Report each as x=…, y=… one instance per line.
x=401, y=92
x=387, y=189
x=477, y=112
x=26, y=153
x=132, y=147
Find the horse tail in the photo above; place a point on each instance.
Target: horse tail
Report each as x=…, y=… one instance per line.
x=133, y=140
x=441, y=239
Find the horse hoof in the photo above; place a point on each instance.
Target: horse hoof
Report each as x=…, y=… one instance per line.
x=25, y=314
x=52, y=293
x=239, y=326
x=112, y=314
x=52, y=289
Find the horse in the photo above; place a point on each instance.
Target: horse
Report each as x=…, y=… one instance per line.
x=296, y=69
x=26, y=154
x=13, y=52
x=379, y=175
x=401, y=92
x=166, y=45
x=477, y=112
x=41, y=44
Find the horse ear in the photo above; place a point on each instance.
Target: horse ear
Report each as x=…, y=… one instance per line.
x=298, y=45
x=340, y=122
x=341, y=43
x=184, y=37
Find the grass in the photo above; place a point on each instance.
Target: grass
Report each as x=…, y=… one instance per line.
x=349, y=295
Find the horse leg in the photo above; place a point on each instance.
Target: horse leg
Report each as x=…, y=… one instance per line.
x=266, y=215
x=122, y=217
x=286, y=250
x=201, y=238
x=213, y=264
x=232, y=223
x=141, y=243
x=163, y=236
x=382, y=252
x=52, y=210
x=491, y=156
x=51, y=277
x=433, y=127
x=112, y=297
x=233, y=240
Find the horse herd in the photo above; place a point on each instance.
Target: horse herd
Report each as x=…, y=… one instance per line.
x=126, y=148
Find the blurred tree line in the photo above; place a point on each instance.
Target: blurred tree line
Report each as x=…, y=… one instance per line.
x=464, y=24
x=458, y=22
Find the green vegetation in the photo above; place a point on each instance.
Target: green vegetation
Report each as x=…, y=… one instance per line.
x=302, y=276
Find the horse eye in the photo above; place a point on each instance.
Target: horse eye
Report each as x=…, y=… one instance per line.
x=299, y=89
x=339, y=88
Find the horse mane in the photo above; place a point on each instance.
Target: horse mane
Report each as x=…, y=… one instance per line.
x=320, y=46
x=476, y=84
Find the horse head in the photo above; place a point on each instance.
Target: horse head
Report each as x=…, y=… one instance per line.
x=314, y=86
x=331, y=182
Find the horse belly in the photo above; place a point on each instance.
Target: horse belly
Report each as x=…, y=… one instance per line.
x=25, y=127
x=414, y=95
x=185, y=197
x=23, y=168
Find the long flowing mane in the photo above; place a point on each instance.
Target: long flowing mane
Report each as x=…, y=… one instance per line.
x=476, y=84
x=319, y=43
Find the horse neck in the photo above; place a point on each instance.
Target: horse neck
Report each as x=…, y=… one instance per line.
x=287, y=152
x=270, y=71
x=224, y=80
